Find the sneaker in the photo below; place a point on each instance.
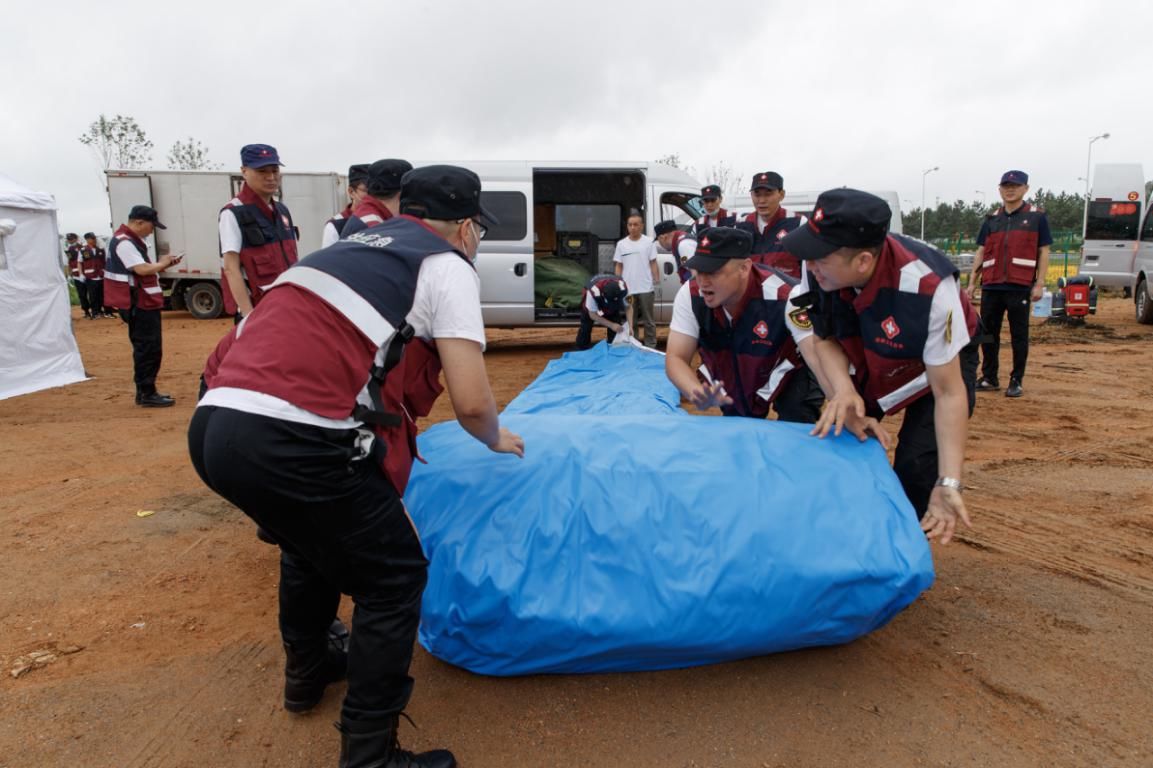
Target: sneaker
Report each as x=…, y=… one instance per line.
x=987, y=385
x=1014, y=389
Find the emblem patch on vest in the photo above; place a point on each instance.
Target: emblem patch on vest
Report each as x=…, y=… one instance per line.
x=369, y=238
x=890, y=327
x=761, y=329
x=800, y=318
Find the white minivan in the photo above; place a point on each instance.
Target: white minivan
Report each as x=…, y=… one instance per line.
x=1142, y=277
x=1116, y=200
x=559, y=225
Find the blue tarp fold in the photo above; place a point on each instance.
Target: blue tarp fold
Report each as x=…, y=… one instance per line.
x=633, y=536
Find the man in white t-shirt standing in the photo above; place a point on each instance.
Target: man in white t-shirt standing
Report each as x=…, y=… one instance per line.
x=635, y=260
x=309, y=425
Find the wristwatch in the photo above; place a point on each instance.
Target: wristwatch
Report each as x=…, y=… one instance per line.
x=950, y=482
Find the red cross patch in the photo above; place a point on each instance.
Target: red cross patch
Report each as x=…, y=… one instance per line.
x=890, y=327
x=819, y=214
x=761, y=329
x=705, y=241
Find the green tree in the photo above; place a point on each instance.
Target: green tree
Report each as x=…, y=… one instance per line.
x=118, y=143
x=190, y=155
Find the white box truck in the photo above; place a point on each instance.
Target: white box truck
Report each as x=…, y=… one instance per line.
x=189, y=204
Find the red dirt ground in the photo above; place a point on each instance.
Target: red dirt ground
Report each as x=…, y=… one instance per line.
x=1032, y=649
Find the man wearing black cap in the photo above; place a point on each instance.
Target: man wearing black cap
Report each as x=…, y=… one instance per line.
x=1010, y=265
x=93, y=261
x=769, y=223
x=357, y=189
x=319, y=454
x=257, y=237
x=74, y=251
x=603, y=303
x=134, y=289
x=893, y=333
x=734, y=315
x=382, y=199
x=715, y=215
x=674, y=240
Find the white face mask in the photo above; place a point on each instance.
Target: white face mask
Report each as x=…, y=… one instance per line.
x=476, y=239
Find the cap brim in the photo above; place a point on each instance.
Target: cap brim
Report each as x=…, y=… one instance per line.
x=805, y=245
x=703, y=262
x=486, y=217
x=158, y=225
x=264, y=164
x=706, y=198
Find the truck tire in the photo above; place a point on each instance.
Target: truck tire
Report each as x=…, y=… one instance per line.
x=204, y=301
x=1143, y=303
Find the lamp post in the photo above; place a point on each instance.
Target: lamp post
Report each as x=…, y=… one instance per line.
x=1088, y=161
x=923, y=175
x=982, y=194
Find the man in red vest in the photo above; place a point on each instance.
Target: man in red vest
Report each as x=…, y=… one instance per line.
x=715, y=215
x=257, y=237
x=381, y=200
x=308, y=426
x=357, y=189
x=733, y=314
x=770, y=222
x=134, y=289
x=1011, y=263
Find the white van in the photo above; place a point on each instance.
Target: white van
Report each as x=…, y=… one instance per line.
x=1116, y=200
x=189, y=204
x=559, y=225
x=1142, y=278
x=804, y=201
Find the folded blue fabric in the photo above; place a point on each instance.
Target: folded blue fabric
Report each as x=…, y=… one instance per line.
x=633, y=536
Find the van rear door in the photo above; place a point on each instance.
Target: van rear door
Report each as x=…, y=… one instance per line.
x=505, y=261
x=1115, y=205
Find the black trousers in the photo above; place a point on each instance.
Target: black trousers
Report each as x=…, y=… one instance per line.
x=800, y=399
x=995, y=305
x=342, y=528
x=82, y=294
x=147, y=346
x=915, y=460
x=584, y=338
x=96, y=296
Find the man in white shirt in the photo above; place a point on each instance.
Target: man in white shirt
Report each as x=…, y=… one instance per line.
x=635, y=260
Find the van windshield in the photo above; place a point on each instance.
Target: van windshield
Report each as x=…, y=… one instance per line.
x=1112, y=220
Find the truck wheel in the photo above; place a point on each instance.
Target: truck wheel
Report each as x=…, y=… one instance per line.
x=1144, y=305
x=204, y=301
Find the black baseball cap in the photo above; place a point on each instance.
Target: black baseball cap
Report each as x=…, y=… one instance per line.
x=663, y=227
x=842, y=218
x=770, y=180
x=1014, y=177
x=71, y=236
x=259, y=155
x=89, y=235
x=146, y=213
x=717, y=245
x=445, y=192
x=384, y=176
x=710, y=192
x=358, y=174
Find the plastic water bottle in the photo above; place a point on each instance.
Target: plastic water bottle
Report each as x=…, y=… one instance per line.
x=1043, y=307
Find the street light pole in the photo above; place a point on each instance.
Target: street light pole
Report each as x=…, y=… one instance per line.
x=923, y=175
x=1088, y=161
x=982, y=194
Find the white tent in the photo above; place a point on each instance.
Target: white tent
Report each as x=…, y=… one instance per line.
x=37, y=348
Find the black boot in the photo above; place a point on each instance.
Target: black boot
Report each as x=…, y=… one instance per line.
x=373, y=744
x=309, y=671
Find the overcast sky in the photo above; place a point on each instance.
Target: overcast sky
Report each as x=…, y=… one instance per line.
x=865, y=94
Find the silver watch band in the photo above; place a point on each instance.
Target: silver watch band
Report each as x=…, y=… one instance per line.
x=950, y=482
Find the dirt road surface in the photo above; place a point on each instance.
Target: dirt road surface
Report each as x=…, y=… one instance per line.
x=150, y=641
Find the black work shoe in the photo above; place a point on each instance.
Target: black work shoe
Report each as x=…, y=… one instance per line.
x=1014, y=389
x=987, y=385
x=307, y=673
x=373, y=744
x=155, y=400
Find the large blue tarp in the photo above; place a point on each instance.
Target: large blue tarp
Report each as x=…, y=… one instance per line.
x=634, y=536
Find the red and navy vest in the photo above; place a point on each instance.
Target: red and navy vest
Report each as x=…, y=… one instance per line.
x=73, y=252
x=683, y=272
x=268, y=243
x=124, y=289
x=724, y=218
x=325, y=334
x=1010, y=254
x=754, y=354
x=884, y=328
x=93, y=262
x=369, y=213
x=339, y=220
x=767, y=248
x=614, y=311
